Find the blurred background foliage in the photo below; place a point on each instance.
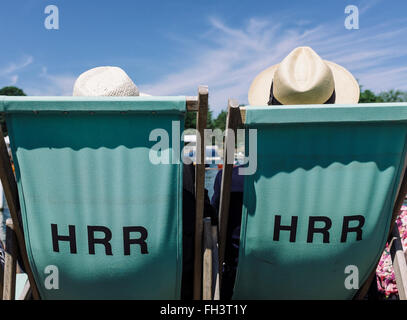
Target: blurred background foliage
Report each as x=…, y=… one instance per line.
x=8, y=91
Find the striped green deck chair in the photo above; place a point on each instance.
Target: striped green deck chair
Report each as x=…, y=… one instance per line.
x=100, y=218
x=319, y=208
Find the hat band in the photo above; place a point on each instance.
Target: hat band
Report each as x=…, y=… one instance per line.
x=274, y=101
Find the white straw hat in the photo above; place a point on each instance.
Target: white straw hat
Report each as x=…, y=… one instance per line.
x=304, y=78
x=105, y=81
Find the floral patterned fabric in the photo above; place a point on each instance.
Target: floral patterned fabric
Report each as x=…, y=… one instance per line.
x=386, y=281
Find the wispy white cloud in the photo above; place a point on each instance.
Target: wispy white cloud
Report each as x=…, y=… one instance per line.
x=52, y=84
x=9, y=73
x=228, y=58
x=16, y=66
x=41, y=83
x=365, y=5
x=36, y=80
x=14, y=80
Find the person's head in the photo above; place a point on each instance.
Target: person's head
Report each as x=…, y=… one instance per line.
x=105, y=81
x=304, y=78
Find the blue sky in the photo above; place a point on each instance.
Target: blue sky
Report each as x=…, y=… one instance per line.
x=169, y=47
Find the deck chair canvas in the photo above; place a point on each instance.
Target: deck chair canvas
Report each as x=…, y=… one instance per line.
x=93, y=206
x=322, y=202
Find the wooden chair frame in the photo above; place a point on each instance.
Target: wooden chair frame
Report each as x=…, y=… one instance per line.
x=233, y=120
x=1, y=280
x=15, y=235
x=236, y=117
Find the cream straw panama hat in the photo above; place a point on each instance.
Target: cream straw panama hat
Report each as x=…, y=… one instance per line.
x=105, y=81
x=304, y=78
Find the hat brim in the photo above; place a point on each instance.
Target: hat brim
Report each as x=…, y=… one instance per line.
x=347, y=89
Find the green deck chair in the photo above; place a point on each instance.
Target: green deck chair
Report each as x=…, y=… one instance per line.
x=320, y=206
x=96, y=213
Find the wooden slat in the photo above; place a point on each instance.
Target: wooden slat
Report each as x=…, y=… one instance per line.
x=243, y=114
x=1, y=282
x=1, y=279
x=200, y=188
x=232, y=121
x=192, y=103
x=10, y=263
x=207, y=263
x=26, y=293
x=399, y=264
x=11, y=194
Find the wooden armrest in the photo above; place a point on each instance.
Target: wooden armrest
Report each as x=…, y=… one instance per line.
x=399, y=263
x=10, y=263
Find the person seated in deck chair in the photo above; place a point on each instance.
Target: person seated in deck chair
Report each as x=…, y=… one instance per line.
x=113, y=81
x=301, y=78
